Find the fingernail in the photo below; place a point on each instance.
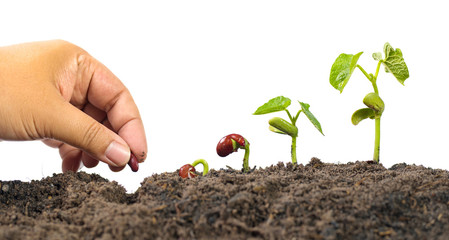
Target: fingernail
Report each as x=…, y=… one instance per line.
x=117, y=154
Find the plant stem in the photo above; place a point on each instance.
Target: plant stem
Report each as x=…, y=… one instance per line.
x=294, y=161
x=364, y=72
x=246, y=157
x=374, y=79
x=377, y=141
x=296, y=118
x=205, y=165
x=377, y=128
x=290, y=116
x=375, y=87
x=293, y=148
x=377, y=69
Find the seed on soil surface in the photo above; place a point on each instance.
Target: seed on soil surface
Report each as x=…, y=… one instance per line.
x=187, y=171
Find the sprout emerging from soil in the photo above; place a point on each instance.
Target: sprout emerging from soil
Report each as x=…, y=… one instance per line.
x=231, y=143
x=188, y=170
x=281, y=126
x=133, y=163
x=342, y=70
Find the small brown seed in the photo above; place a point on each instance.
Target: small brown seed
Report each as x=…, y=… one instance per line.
x=187, y=171
x=133, y=163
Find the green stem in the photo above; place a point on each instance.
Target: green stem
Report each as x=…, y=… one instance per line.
x=370, y=77
x=290, y=116
x=374, y=79
x=377, y=128
x=377, y=141
x=246, y=157
x=375, y=87
x=294, y=161
x=296, y=118
x=364, y=72
x=205, y=165
x=377, y=70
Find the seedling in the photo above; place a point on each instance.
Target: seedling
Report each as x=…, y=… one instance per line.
x=231, y=143
x=342, y=70
x=133, y=163
x=188, y=170
x=282, y=126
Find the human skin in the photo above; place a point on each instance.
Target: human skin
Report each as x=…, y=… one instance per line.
x=56, y=92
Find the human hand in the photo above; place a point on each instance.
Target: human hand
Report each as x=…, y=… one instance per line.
x=56, y=92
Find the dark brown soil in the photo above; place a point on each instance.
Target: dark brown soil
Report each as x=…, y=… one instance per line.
x=317, y=201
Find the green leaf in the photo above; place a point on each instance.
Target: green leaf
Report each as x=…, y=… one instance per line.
x=274, y=105
x=394, y=63
x=362, y=114
x=305, y=108
x=342, y=70
x=279, y=125
x=373, y=101
x=377, y=56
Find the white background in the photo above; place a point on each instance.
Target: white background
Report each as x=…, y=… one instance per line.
x=199, y=69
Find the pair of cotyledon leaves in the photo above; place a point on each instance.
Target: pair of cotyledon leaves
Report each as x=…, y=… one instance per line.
x=375, y=108
x=280, y=104
x=344, y=66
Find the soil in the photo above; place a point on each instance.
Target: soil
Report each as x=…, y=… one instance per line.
x=317, y=201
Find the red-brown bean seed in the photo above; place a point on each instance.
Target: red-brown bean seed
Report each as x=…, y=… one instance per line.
x=133, y=163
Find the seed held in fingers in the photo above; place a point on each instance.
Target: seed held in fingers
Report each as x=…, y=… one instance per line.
x=133, y=163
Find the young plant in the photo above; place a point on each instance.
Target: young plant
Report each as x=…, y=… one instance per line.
x=342, y=70
x=281, y=126
x=231, y=143
x=188, y=170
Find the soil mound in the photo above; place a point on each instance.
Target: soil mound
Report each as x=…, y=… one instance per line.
x=317, y=201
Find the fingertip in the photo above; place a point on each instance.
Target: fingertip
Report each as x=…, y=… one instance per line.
x=71, y=161
x=134, y=134
x=117, y=154
x=116, y=169
x=88, y=161
x=141, y=157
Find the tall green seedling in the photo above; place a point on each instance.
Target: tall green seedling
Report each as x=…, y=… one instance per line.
x=282, y=126
x=342, y=70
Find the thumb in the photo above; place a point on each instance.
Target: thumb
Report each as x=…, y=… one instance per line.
x=72, y=126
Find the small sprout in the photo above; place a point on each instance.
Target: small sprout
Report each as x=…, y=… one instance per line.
x=282, y=126
x=342, y=70
x=133, y=163
x=188, y=170
x=231, y=143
